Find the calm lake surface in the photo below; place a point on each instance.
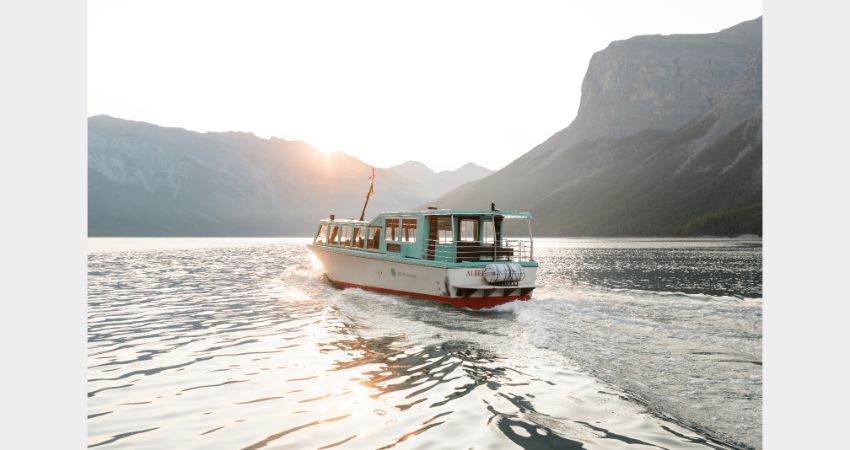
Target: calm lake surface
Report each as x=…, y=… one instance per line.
x=238, y=343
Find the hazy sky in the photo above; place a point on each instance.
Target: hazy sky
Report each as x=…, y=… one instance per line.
x=444, y=83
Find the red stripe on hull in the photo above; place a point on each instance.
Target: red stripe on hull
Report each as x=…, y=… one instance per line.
x=458, y=302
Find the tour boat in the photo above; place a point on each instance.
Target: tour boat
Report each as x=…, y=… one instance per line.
x=464, y=258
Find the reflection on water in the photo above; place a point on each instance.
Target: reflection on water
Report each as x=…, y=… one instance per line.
x=411, y=375
x=241, y=346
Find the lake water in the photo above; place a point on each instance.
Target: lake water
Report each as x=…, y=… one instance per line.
x=237, y=343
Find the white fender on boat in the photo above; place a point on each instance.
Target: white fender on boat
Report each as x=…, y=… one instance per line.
x=497, y=274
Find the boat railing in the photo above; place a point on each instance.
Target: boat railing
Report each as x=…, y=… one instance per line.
x=507, y=249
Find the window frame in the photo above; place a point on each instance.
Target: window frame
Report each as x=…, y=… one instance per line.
x=376, y=240
x=345, y=233
x=405, y=235
x=358, y=233
x=395, y=236
x=488, y=225
x=321, y=233
x=333, y=235
x=475, y=232
x=445, y=236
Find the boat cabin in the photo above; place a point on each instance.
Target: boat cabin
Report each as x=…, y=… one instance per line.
x=437, y=235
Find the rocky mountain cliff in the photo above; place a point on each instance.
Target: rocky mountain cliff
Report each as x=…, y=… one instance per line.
x=146, y=180
x=666, y=142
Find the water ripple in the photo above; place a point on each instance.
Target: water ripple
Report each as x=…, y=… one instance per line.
x=240, y=345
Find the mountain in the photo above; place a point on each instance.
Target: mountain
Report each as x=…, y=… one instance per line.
x=443, y=181
x=666, y=142
x=147, y=180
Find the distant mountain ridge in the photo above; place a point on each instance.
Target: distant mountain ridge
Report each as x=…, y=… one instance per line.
x=446, y=179
x=147, y=180
x=667, y=142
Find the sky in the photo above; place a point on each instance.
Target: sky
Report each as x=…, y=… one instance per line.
x=444, y=83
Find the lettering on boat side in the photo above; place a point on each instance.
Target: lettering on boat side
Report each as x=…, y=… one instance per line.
x=475, y=273
x=401, y=274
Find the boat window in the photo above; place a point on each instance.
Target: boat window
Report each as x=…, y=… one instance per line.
x=359, y=238
x=345, y=237
x=321, y=235
x=391, y=224
x=468, y=230
x=488, y=233
x=444, y=230
x=334, y=237
x=408, y=228
x=374, y=240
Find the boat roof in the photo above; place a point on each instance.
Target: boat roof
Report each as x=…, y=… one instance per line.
x=460, y=212
x=348, y=221
x=438, y=212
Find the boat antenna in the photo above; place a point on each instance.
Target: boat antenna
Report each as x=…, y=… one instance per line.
x=369, y=193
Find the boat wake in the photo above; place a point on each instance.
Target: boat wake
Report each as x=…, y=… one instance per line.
x=691, y=358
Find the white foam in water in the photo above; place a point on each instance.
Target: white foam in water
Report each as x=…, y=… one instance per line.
x=670, y=350
x=694, y=357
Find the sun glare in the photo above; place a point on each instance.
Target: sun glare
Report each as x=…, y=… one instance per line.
x=316, y=264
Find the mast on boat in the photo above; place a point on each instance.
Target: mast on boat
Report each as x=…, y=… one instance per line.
x=369, y=193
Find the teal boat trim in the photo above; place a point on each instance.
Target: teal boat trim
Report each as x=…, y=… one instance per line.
x=407, y=260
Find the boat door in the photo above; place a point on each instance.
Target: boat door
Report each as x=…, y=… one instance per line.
x=440, y=239
x=409, y=247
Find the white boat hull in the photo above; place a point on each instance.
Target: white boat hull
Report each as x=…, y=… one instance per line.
x=459, y=286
